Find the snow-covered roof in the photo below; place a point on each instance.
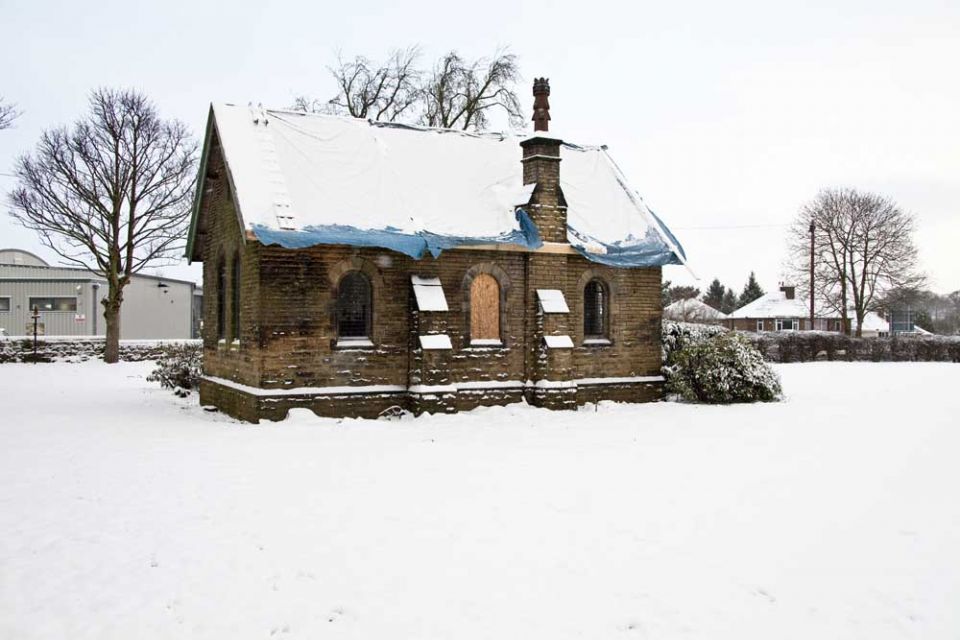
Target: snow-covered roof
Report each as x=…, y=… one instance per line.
x=873, y=322
x=773, y=305
x=692, y=309
x=305, y=179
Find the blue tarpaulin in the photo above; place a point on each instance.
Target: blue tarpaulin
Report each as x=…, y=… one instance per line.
x=647, y=252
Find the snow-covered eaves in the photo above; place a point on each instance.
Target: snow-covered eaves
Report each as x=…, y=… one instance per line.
x=305, y=179
x=429, y=294
x=552, y=301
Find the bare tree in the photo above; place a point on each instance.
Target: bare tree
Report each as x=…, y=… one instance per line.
x=8, y=113
x=367, y=89
x=833, y=227
x=863, y=246
x=459, y=94
x=456, y=93
x=112, y=194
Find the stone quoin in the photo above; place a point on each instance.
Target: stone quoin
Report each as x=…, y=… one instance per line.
x=355, y=268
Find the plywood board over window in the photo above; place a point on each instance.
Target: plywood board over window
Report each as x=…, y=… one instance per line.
x=484, y=308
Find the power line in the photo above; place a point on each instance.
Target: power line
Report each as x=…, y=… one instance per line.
x=731, y=226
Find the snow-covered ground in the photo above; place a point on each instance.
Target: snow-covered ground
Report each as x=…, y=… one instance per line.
x=127, y=513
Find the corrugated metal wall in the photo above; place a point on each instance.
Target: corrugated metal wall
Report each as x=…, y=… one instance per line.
x=149, y=311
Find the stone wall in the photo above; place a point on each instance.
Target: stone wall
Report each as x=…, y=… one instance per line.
x=80, y=349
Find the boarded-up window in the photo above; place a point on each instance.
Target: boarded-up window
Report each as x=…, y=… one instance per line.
x=595, y=310
x=354, y=306
x=484, y=308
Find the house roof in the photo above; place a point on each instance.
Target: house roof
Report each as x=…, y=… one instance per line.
x=692, y=309
x=776, y=305
x=873, y=322
x=773, y=305
x=304, y=179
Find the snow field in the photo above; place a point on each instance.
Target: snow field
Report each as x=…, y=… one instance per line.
x=126, y=512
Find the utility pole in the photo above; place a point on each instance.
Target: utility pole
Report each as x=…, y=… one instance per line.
x=36, y=318
x=813, y=227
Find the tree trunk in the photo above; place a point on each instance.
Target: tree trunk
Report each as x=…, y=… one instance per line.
x=111, y=313
x=859, y=333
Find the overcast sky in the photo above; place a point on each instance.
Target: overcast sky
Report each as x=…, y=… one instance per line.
x=726, y=117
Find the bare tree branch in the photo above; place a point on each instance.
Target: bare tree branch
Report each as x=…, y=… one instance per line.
x=112, y=194
x=458, y=94
x=366, y=89
x=8, y=113
x=863, y=247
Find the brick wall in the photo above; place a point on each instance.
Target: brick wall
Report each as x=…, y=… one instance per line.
x=547, y=208
x=223, y=240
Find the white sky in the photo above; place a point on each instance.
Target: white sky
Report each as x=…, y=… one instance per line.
x=725, y=116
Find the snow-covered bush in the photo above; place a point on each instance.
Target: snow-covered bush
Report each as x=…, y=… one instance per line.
x=179, y=368
x=677, y=335
x=721, y=369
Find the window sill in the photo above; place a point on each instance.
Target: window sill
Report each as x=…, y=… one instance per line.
x=597, y=342
x=486, y=344
x=353, y=343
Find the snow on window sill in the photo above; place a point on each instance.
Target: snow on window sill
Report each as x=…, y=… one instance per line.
x=486, y=343
x=353, y=343
x=596, y=342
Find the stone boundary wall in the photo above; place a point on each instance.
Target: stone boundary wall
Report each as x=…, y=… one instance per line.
x=80, y=349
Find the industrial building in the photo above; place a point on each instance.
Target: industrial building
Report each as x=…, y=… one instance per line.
x=68, y=302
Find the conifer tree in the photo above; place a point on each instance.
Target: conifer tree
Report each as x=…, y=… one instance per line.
x=751, y=291
x=714, y=294
x=728, y=304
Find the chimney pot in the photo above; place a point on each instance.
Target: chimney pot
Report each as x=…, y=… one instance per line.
x=541, y=105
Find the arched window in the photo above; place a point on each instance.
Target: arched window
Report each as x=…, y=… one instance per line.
x=235, y=325
x=354, y=306
x=221, y=300
x=484, y=309
x=596, y=309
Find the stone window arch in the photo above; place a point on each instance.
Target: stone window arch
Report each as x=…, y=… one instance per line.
x=596, y=309
x=335, y=276
x=485, y=289
x=354, y=306
x=610, y=310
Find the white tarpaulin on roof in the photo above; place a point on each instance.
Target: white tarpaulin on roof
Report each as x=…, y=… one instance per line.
x=296, y=172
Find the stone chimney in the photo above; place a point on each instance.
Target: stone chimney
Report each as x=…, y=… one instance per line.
x=541, y=166
x=789, y=290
